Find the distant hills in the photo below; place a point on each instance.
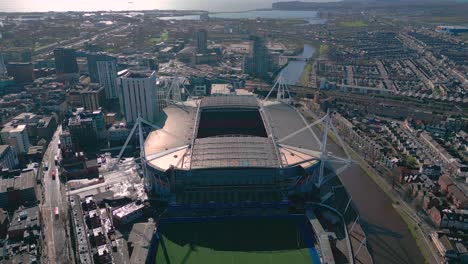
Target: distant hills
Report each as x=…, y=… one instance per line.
x=302, y=5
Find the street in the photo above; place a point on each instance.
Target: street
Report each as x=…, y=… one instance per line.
x=54, y=196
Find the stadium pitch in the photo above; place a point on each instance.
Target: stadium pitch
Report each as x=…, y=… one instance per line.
x=259, y=241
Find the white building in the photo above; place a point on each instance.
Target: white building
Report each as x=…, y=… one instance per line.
x=138, y=96
x=107, y=72
x=17, y=137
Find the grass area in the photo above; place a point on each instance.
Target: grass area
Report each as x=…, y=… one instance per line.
x=305, y=76
x=232, y=241
x=324, y=49
x=163, y=37
x=354, y=23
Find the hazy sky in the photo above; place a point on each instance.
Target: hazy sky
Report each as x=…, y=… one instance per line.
x=89, y=5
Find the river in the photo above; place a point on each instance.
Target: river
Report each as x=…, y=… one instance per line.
x=293, y=71
x=388, y=236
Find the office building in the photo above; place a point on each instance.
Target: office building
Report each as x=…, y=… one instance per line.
x=257, y=62
x=93, y=59
x=202, y=37
x=83, y=132
x=8, y=157
x=138, y=95
x=107, y=77
x=66, y=143
x=92, y=97
x=153, y=64
x=22, y=72
x=17, y=137
x=38, y=127
x=3, y=70
x=65, y=61
x=87, y=128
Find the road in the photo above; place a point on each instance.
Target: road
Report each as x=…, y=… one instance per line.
x=54, y=196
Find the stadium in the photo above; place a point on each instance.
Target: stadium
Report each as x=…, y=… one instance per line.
x=227, y=167
x=230, y=151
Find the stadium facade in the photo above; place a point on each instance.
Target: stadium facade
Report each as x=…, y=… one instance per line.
x=230, y=151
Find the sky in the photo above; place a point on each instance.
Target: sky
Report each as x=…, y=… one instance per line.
x=92, y=5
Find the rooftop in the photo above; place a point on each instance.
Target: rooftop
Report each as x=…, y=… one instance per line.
x=138, y=74
x=126, y=210
x=25, y=218
x=227, y=132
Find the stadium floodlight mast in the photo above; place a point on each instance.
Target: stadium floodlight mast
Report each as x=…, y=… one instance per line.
x=281, y=88
x=174, y=90
x=324, y=155
x=139, y=125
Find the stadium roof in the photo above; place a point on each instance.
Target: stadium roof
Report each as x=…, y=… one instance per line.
x=178, y=144
x=234, y=151
x=225, y=101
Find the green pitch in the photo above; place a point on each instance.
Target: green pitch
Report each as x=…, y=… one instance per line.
x=232, y=242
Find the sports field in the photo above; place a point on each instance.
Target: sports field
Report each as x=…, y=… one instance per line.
x=234, y=241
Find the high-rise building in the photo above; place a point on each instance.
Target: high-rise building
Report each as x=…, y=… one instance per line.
x=93, y=59
x=3, y=70
x=153, y=64
x=107, y=74
x=138, y=95
x=202, y=37
x=22, y=72
x=256, y=63
x=8, y=157
x=92, y=97
x=65, y=61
